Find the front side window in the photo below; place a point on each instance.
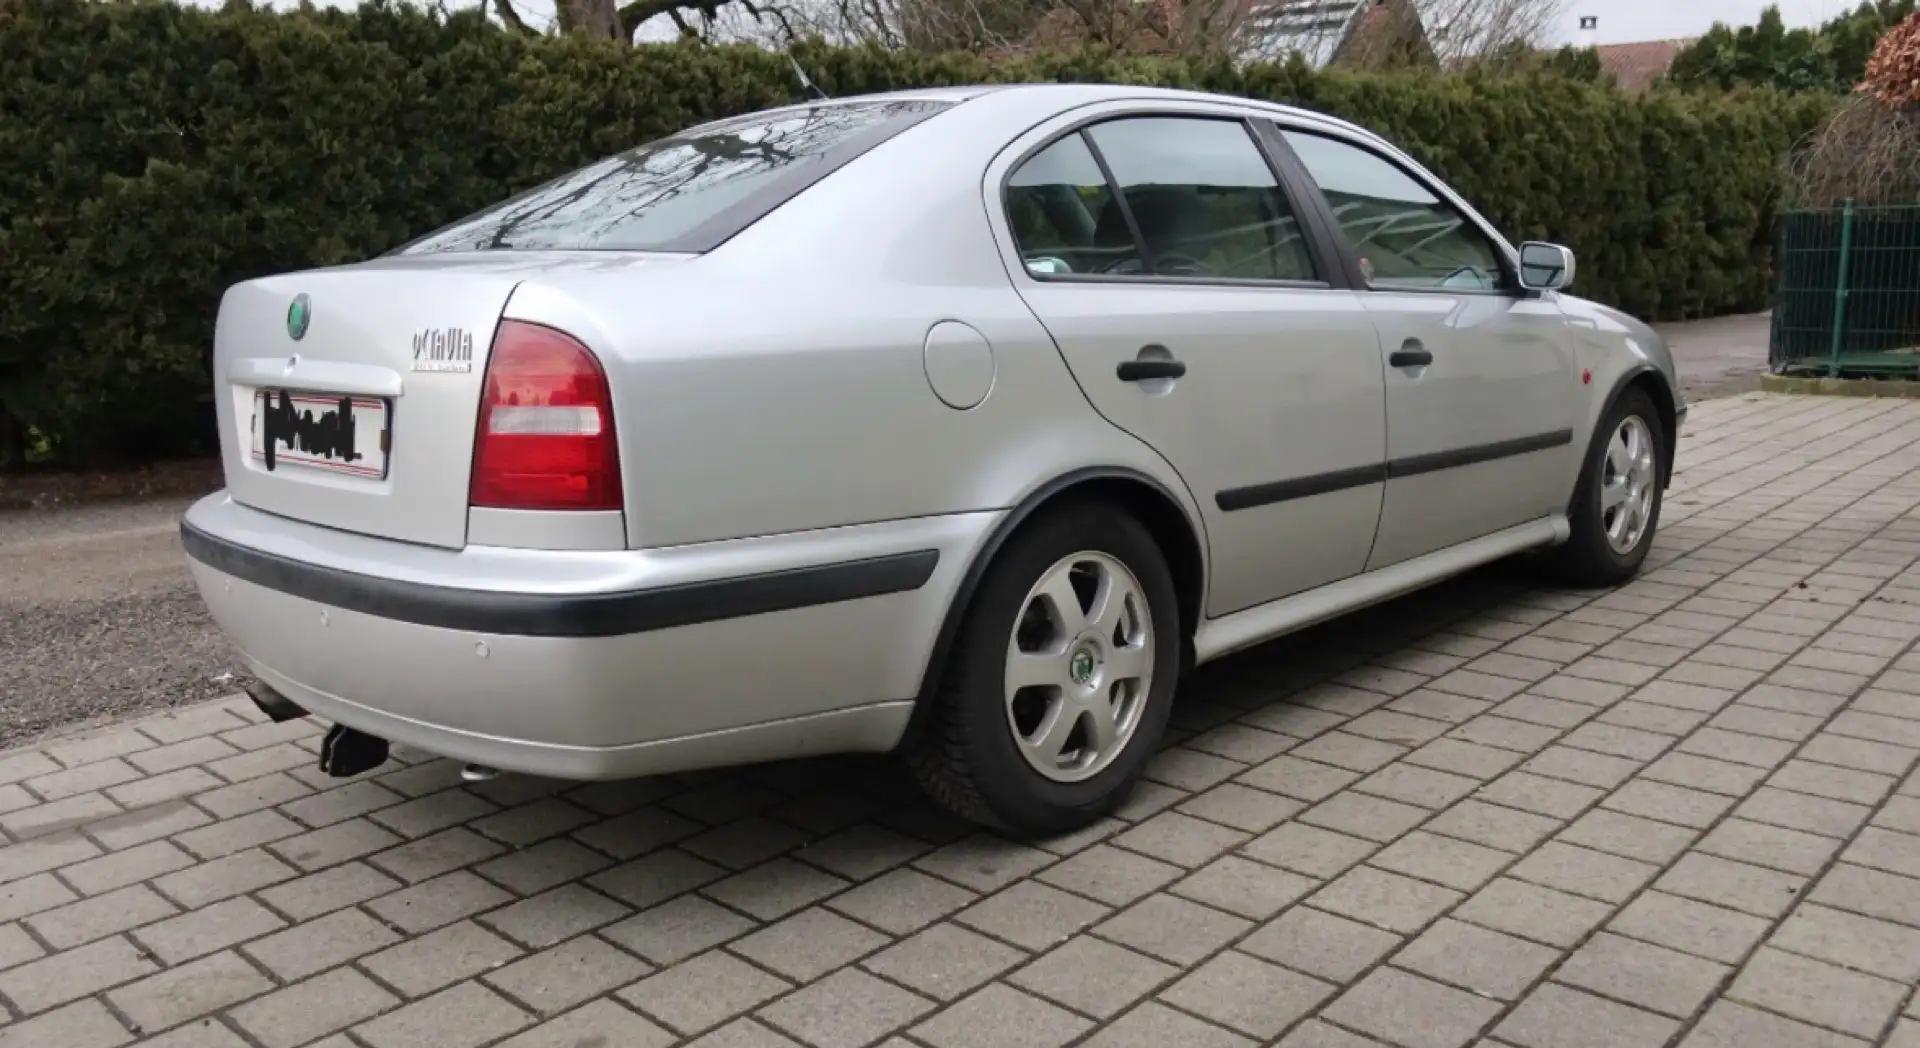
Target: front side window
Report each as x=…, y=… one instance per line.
x=659, y=196
x=1405, y=236
x=1195, y=199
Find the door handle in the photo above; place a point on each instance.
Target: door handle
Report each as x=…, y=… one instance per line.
x=1143, y=370
x=1411, y=354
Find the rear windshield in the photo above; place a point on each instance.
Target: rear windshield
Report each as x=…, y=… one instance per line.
x=688, y=192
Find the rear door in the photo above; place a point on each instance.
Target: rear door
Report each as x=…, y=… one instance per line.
x=1481, y=384
x=1197, y=313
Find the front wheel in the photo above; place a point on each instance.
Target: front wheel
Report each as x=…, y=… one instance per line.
x=1060, y=684
x=1616, y=507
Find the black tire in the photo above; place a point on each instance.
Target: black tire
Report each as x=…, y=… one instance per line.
x=967, y=759
x=1588, y=559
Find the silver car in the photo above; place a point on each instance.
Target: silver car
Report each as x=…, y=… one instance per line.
x=958, y=423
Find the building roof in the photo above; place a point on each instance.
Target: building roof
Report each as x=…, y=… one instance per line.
x=1636, y=66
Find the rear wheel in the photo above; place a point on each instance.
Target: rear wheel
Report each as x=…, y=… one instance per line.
x=1616, y=508
x=1060, y=683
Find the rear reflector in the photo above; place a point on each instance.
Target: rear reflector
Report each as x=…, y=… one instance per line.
x=546, y=438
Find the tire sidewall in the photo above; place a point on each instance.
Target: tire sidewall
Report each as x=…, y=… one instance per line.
x=1020, y=795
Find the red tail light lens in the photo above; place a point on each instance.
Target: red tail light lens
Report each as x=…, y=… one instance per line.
x=546, y=425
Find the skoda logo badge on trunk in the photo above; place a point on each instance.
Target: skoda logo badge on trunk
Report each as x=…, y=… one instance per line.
x=298, y=315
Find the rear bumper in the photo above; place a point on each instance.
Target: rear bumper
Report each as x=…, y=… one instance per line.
x=590, y=664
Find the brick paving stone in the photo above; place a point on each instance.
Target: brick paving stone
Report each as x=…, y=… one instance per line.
x=178, y=995
x=205, y=930
x=305, y=1011
x=1245, y=888
x=1851, y=941
x=1738, y=885
x=1690, y=926
x=605, y=1023
x=461, y=1016
x=1731, y=1025
x=704, y=991
x=439, y=958
x=1411, y=1011
x=1308, y=849
x=1154, y=1025
x=1486, y=962
x=72, y=974
x=82, y=1024
x=811, y=943
x=310, y=948
x=1321, y=944
x=996, y=1015
x=1533, y=912
x=1652, y=977
x=901, y=901
x=946, y=961
x=850, y=1008
x=1247, y=994
x=1818, y=993
x=1111, y=875
x=1584, y=871
x=1172, y=929
x=1559, y=1017
x=562, y=976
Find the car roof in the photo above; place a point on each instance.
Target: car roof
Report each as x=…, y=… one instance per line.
x=1062, y=96
x=1067, y=95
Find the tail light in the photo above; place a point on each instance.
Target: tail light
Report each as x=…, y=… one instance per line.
x=546, y=425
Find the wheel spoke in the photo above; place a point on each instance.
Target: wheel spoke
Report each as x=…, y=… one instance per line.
x=1051, y=736
x=1620, y=527
x=1613, y=493
x=1129, y=664
x=1618, y=456
x=1103, y=728
x=1063, y=601
x=1109, y=605
x=1034, y=669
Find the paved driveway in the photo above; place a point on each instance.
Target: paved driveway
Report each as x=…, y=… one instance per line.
x=1681, y=813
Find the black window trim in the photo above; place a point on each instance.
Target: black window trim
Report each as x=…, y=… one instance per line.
x=750, y=209
x=1276, y=130
x=1324, y=254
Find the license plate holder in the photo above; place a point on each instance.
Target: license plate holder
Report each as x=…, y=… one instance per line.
x=350, y=435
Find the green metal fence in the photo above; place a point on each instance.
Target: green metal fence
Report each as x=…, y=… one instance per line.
x=1848, y=303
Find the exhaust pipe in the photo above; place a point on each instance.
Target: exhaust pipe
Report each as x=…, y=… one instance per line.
x=276, y=706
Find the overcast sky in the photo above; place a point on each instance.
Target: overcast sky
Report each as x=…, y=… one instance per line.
x=1626, y=21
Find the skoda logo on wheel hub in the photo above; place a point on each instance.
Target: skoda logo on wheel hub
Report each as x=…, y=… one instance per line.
x=1081, y=667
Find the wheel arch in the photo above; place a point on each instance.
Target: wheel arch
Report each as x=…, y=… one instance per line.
x=1147, y=499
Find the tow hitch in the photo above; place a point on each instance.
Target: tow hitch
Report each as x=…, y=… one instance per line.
x=345, y=753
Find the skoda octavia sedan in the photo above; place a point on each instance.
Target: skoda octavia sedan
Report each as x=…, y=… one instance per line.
x=957, y=423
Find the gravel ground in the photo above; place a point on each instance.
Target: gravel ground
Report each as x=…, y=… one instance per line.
x=99, y=618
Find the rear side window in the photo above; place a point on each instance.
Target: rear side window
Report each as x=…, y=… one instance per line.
x=1404, y=234
x=688, y=192
x=1195, y=198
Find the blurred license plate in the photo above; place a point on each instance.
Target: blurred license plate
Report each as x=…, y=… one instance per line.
x=330, y=432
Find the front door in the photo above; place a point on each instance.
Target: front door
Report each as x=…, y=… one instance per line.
x=1482, y=389
x=1197, y=315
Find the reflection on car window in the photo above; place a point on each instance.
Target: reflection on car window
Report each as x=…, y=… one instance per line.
x=649, y=197
x=1200, y=192
x=1405, y=235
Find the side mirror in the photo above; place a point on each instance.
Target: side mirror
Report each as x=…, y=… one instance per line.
x=1545, y=267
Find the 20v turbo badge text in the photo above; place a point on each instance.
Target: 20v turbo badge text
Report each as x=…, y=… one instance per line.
x=443, y=349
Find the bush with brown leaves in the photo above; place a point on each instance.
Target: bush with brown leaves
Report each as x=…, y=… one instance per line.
x=1893, y=74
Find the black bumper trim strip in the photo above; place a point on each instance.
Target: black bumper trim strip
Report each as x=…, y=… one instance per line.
x=1256, y=495
x=565, y=615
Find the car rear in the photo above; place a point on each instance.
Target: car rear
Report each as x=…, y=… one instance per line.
x=423, y=530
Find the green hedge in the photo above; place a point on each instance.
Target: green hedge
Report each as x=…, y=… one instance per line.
x=151, y=155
